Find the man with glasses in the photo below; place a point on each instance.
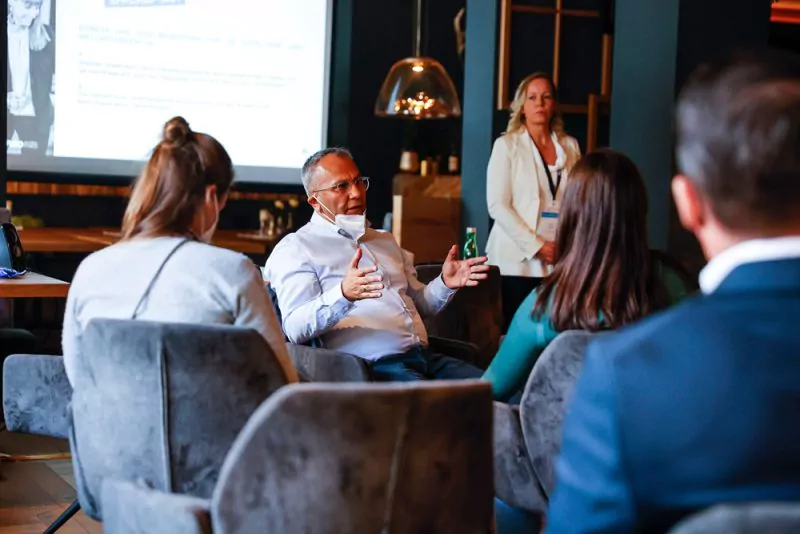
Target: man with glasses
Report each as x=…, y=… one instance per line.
x=354, y=288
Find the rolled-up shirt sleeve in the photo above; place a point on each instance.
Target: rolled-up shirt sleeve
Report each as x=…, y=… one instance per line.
x=429, y=299
x=307, y=311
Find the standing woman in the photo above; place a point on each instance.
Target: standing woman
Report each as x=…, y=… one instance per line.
x=525, y=179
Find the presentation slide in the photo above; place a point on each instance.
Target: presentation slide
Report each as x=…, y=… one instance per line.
x=91, y=82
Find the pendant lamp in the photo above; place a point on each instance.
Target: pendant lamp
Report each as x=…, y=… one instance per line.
x=418, y=87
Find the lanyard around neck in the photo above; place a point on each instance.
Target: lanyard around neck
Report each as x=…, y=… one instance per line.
x=552, y=185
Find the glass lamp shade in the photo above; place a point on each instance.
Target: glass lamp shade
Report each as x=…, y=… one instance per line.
x=418, y=88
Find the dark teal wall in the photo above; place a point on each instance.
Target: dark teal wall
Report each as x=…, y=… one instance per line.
x=479, y=113
x=658, y=43
x=645, y=48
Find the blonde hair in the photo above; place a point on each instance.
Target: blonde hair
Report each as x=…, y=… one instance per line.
x=517, y=119
x=172, y=186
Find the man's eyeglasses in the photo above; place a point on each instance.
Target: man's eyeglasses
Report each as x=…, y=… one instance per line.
x=343, y=187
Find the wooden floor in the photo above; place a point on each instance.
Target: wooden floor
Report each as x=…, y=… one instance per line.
x=33, y=494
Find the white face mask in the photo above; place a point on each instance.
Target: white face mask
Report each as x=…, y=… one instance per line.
x=209, y=234
x=354, y=225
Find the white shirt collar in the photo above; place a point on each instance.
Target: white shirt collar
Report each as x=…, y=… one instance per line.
x=318, y=219
x=561, y=155
x=752, y=251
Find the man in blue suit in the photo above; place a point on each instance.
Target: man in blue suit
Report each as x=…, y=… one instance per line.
x=700, y=404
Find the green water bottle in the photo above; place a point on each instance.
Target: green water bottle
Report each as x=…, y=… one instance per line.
x=471, y=243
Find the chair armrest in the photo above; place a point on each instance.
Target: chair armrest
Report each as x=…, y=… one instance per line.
x=132, y=509
x=324, y=365
x=515, y=481
x=36, y=395
x=461, y=350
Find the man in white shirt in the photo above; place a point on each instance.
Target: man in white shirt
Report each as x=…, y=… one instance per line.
x=697, y=405
x=355, y=288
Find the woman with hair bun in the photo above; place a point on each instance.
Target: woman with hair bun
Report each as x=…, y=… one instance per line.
x=164, y=269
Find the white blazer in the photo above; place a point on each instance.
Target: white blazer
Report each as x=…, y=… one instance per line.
x=513, y=180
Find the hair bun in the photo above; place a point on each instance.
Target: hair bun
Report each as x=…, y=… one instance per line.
x=177, y=131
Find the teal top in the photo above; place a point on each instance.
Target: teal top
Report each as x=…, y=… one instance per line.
x=528, y=336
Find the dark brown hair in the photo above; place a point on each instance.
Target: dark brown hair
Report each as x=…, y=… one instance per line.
x=737, y=139
x=603, y=265
x=172, y=187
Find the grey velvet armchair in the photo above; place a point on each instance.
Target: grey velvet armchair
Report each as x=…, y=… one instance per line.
x=153, y=402
x=36, y=395
x=528, y=438
x=317, y=364
x=474, y=317
x=330, y=458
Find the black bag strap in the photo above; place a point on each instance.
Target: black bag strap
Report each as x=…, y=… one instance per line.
x=155, y=277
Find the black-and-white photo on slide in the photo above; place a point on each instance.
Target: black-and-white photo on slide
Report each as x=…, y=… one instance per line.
x=30, y=59
x=260, y=83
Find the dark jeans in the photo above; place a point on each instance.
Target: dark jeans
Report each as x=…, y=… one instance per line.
x=420, y=363
x=515, y=289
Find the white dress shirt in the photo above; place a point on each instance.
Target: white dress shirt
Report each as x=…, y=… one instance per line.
x=306, y=270
x=751, y=251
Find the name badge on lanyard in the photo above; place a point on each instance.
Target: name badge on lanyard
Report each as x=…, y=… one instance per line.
x=549, y=222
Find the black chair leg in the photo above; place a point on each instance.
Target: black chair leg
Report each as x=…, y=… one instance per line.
x=64, y=517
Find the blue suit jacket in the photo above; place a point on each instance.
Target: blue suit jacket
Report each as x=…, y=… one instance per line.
x=695, y=406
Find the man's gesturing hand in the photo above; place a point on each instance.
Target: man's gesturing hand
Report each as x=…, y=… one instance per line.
x=462, y=273
x=358, y=284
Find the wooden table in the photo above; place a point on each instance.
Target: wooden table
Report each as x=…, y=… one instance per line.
x=86, y=240
x=32, y=285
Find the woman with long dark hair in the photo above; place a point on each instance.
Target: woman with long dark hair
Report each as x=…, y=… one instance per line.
x=605, y=275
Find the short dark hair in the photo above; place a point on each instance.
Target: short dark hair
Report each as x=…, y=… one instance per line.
x=311, y=165
x=604, y=276
x=738, y=138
